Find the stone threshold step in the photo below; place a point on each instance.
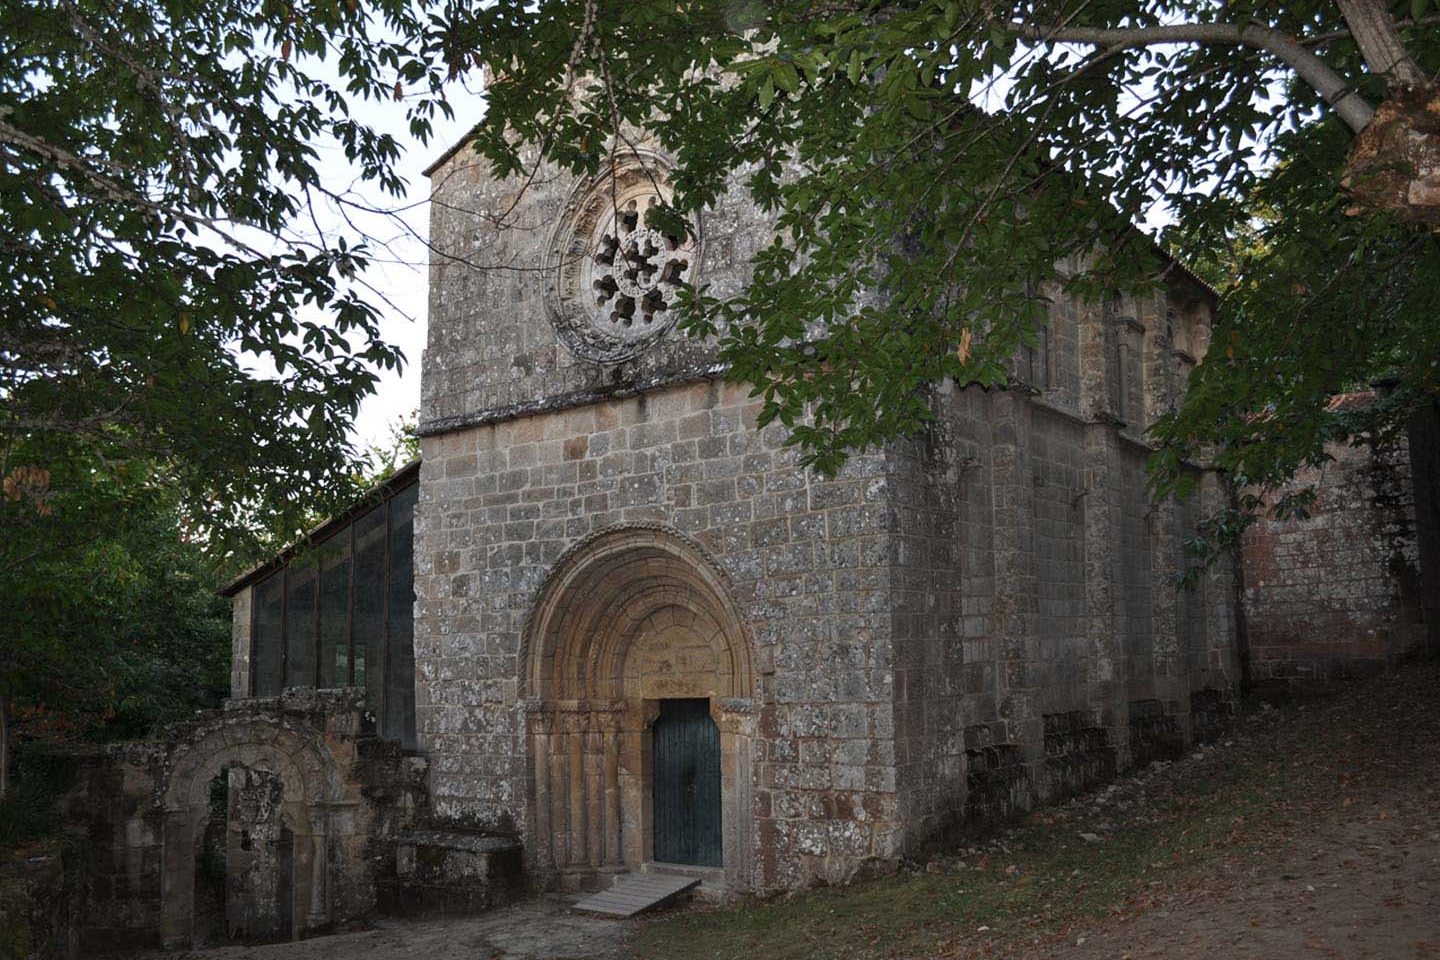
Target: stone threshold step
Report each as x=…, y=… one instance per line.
x=634, y=893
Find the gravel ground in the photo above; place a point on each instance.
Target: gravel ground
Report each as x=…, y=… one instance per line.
x=541, y=929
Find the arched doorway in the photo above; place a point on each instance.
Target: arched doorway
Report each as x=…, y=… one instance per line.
x=636, y=626
x=279, y=788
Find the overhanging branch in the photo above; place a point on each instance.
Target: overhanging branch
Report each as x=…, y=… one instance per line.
x=1352, y=108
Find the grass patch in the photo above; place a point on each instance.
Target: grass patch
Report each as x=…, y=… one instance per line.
x=1161, y=830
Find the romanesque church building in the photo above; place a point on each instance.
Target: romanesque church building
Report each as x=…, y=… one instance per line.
x=645, y=634
x=610, y=625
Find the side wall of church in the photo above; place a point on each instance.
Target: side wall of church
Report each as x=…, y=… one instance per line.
x=1042, y=641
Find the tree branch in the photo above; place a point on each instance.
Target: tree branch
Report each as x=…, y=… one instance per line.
x=1351, y=107
x=1379, y=41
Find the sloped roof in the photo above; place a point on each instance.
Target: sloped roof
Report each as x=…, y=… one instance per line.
x=398, y=481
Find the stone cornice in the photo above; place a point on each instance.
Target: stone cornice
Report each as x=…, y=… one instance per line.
x=572, y=398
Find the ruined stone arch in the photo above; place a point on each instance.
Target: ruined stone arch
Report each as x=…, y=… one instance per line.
x=306, y=766
x=631, y=616
x=310, y=791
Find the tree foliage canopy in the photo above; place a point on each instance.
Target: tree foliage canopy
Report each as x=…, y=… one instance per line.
x=162, y=295
x=183, y=344
x=930, y=163
x=110, y=617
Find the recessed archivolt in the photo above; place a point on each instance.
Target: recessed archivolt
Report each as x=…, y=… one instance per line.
x=306, y=770
x=611, y=590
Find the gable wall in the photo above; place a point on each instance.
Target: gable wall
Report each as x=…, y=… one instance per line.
x=491, y=350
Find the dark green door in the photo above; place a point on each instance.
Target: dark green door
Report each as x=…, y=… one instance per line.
x=687, y=784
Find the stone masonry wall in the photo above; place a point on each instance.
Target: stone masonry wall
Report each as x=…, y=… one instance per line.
x=1338, y=594
x=958, y=625
x=809, y=560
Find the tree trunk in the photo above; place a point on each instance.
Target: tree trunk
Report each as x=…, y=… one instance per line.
x=1374, y=32
x=1394, y=164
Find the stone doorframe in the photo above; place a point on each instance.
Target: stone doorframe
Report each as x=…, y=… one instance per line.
x=630, y=616
x=310, y=793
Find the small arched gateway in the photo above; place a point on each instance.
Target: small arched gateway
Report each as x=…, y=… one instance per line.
x=283, y=791
x=640, y=681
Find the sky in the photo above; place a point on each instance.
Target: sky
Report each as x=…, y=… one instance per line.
x=399, y=270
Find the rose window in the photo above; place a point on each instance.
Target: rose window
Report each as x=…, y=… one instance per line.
x=614, y=273
x=635, y=269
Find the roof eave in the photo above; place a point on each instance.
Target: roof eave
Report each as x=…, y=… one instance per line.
x=399, y=480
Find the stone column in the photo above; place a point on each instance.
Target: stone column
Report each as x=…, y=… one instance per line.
x=1013, y=495
x=318, y=913
x=1107, y=673
x=612, y=745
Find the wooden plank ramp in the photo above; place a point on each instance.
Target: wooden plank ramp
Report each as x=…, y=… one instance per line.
x=634, y=893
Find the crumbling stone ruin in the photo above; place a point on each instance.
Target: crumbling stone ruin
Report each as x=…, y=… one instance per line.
x=608, y=623
x=1353, y=588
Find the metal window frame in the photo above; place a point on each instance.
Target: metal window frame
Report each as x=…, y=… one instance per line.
x=383, y=704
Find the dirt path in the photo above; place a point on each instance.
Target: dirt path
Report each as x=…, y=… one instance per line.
x=1349, y=867
x=1368, y=888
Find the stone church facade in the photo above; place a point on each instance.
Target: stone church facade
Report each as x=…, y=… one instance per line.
x=609, y=623
x=954, y=627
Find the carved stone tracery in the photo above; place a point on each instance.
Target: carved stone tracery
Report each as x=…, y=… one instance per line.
x=614, y=272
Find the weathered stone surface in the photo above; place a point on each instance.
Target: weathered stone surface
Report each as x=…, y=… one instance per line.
x=446, y=871
x=312, y=803
x=1005, y=573
x=1339, y=593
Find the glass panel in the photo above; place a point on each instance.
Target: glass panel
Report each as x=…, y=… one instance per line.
x=267, y=635
x=398, y=721
x=300, y=624
x=335, y=610
x=368, y=631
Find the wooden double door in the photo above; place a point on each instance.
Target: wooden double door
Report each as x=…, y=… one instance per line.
x=686, y=778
